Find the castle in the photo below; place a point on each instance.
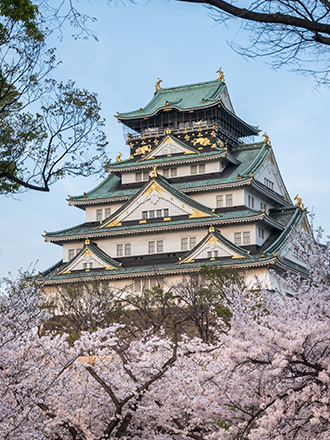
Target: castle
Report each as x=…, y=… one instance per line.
x=196, y=190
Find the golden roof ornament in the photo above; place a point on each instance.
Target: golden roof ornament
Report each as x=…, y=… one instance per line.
x=157, y=85
x=87, y=241
x=85, y=195
x=299, y=202
x=154, y=171
x=221, y=75
x=211, y=229
x=266, y=138
x=118, y=158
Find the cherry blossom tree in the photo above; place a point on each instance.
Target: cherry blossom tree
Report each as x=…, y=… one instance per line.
x=265, y=375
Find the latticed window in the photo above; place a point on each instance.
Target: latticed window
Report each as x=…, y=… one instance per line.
x=202, y=168
x=246, y=237
x=146, y=175
x=220, y=201
x=160, y=246
x=99, y=214
x=166, y=173
x=151, y=214
x=209, y=254
x=193, y=169
x=144, y=215
x=229, y=200
x=137, y=286
x=138, y=177
x=71, y=253
x=165, y=212
x=107, y=212
x=158, y=213
x=184, y=244
x=174, y=172
x=127, y=249
x=192, y=242
x=238, y=238
x=120, y=249
x=151, y=247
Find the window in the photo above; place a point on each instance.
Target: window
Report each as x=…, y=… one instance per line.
x=209, y=254
x=202, y=168
x=173, y=150
x=165, y=151
x=261, y=233
x=269, y=183
x=246, y=238
x=166, y=173
x=120, y=249
x=159, y=246
x=107, y=212
x=251, y=201
x=153, y=282
x=219, y=201
x=151, y=214
x=99, y=214
x=146, y=175
x=144, y=215
x=137, y=286
x=85, y=265
x=158, y=213
x=165, y=212
x=127, y=249
x=229, y=200
x=263, y=206
x=138, y=177
x=174, y=172
x=184, y=244
x=215, y=254
x=151, y=247
x=90, y=265
x=193, y=169
x=192, y=242
x=238, y=238
x=71, y=253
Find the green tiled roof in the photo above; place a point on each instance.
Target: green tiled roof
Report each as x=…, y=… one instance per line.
x=222, y=239
x=297, y=215
x=87, y=230
x=247, y=155
x=186, y=97
x=164, y=160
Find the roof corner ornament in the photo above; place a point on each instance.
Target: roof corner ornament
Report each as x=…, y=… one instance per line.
x=118, y=158
x=221, y=75
x=157, y=85
x=299, y=202
x=87, y=241
x=211, y=229
x=266, y=140
x=154, y=171
x=85, y=195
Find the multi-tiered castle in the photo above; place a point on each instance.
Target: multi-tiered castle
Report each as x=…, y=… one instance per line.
x=195, y=190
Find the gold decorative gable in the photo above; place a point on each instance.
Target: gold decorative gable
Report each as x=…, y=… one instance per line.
x=167, y=144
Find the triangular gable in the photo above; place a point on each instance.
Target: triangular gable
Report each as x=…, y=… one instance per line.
x=168, y=146
x=213, y=246
x=269, y=175
x=162, y=199
x=90, y=257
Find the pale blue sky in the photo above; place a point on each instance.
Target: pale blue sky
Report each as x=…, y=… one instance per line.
x=179, y=43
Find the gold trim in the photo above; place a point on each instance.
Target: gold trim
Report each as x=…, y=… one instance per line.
x=237, y=256
x=115, y=222
x=142, y=221
x=196, y=214
x=109, y=268
x=153, y=187
x=166, y=219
